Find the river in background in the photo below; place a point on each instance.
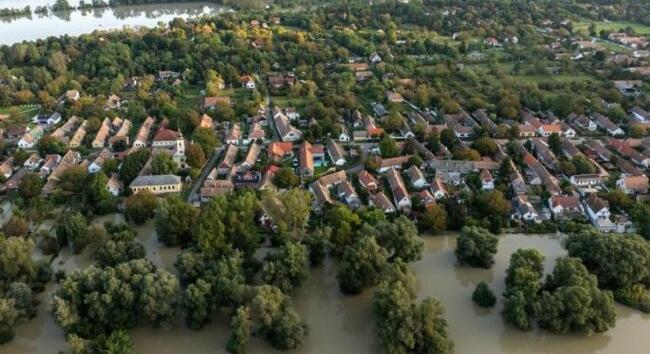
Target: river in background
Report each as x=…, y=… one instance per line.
x=18, y=29
x=343, y=324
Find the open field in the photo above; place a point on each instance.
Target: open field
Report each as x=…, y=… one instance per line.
x=612, y=26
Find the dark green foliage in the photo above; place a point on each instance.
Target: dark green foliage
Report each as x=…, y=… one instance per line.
x=286, y=178
x=132, y=164
x=117, y=342
x=288, y=268
x=483, y=295
x=240, y=328
x=319, y=245
x=174, y=221
x=523, y=282
x=96, y=301
x=73, y=230
x=361, y=265
x=572, y=302
x=120, y=247
x=140, y=207
x=476, y=247
x=277, y=320
x=403, y=326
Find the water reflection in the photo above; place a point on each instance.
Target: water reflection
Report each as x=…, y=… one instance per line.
x=17, y=29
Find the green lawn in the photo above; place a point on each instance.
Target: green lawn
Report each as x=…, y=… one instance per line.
x=612, y=26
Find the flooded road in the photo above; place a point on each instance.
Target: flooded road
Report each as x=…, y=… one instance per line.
x=340, y=324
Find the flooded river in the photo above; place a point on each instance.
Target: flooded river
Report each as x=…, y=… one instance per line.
x=17, y=29
x=342, y=325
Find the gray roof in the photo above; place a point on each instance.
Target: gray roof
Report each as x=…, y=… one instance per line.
x=155, y=180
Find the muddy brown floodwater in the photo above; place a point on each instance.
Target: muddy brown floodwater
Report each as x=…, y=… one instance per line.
x=341, y=325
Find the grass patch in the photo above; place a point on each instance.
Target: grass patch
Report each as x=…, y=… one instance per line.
x=612, y=26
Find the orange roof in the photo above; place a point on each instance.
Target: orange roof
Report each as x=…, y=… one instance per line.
x=281, y=148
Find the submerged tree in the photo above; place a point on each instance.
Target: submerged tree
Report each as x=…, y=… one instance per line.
x=476, y=247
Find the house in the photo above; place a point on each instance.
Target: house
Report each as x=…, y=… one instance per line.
x=102, y=134
x=306, y=159
x=49, y=164
x=31, y=138
x=400, y=194
x=78, y=136
x=417, y=178
x=142, y=138
x=15, y=132
x=336, y=153
x=72, y=95
x=214, y=188
x=291, y=113
x=584, y=122
x=280, y=80
x=157, y=184
x=234, y=135
x=173, y=141
x=438, y=188
x=256, y=133
x=546, y=130
x=228, y=161
x=251, y=156
x=286, y=130
x=598, y=212
x=122, y=134
x=526, y=130
x=347, y=193
x=278, y=151
x=487, y=182
x=491, y=42
x=586, y=180
x=607, y=125
x=524, y=210
x=321, y=195
x=112, y=102
x=248, y=82
x=598, y=149
x=381, y=202
x=206, y=122
x=33, y=161
x=71, y=158
x=633, y=184
x=567, y=131
x=344, y=137
x=61, y=133
x=7, y=167
x=47, y=119
x=393, y=163
x=374, y=58
x=640, y=114
x=462, y=124
x=371, y=127
x=210, y=102
x=368, y=181
x=98, y=163
x=394, y=97
x=565, y=206
x=114, y=186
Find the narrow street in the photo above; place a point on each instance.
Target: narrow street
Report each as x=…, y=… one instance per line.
x=194, y=193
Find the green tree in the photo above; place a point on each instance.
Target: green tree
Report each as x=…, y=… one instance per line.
x=194, y=155
x=277, y=320
x=361, y=265
x=16, y=226
x=523, y=282
x=49, y=145
x=120, y=247
x=8, y=320
x=73, y=229
x=140, y=206
x=117, y=342
x=163, y=164
x=285, y=177
x=399, y=238
x=485, y=146
x=132, y=164
x=206, y=139
x=174, y=221
x=388, y=147
x=30, y=185
x=555, y=144
x=289, y=211
x=583, y=165
x=319, y=244
x=433, y=219
x=240, y=331
x=483, y=295
x=572, y=302
x=476, y=247
x=288, y=268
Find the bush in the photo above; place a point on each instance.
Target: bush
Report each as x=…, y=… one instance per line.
x=483, y=295
x=476, y=247
x=635, y=297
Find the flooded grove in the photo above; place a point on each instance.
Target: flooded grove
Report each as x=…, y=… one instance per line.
x=342, y=324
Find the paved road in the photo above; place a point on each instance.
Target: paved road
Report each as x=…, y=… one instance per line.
x=194, y=193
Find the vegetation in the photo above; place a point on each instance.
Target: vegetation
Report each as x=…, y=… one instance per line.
x=476, y=247
x=483, y=295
